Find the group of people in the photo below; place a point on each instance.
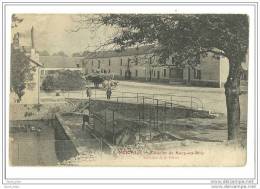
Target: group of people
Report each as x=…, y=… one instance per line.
x=108, y=92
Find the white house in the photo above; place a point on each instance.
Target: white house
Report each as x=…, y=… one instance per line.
x=141, y=64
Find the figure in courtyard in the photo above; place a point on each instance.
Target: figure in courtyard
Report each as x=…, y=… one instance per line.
x=85, y=118
x=88, y=92
x=109, y=92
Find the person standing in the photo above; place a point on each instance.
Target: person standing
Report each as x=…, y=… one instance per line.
x=85, y=118
x=88, y=91
x=109, y=92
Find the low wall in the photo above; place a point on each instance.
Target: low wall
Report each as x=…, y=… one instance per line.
x=65, y=148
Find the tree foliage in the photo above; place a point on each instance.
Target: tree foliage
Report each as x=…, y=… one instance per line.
x=16, y=20
x=44, y=53
x=21, y=72
x=186, y=38
x=63, y=80
x=76, y=54
x=60, y=53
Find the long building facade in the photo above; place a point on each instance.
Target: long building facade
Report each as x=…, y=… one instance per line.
x=141, y=64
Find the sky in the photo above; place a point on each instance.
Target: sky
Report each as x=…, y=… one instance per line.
x=53, y=33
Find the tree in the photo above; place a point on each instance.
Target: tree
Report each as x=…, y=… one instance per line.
x=48, y=83
x=16, y=20
x=60, y=53
x=86, y=53
x=186, y=38
x=64, y=80
x=44, y=53
x=76, y=54
x=21, y=69
x=21, y=72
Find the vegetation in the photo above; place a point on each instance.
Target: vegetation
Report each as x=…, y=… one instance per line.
x=60, y=53
x=186, y=38
x=76, y=54
x=21, y=69
x=44, y=53
x=21, y=72
x=63, y=80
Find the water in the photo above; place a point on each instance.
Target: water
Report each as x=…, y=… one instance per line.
x=32, y=143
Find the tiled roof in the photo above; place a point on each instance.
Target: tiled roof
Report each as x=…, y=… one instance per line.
x=60, y=61
x=149, y=49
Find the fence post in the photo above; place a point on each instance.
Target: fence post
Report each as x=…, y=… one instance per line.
x=165, y=115
x=101, y=146
x=157, y=123
x=18, y=152
x=150, y=125
x=154, y=117
x=105, y=123
x=93, y=123
x=143, y=107
x=139, y=125
x=82, y=92
x=113, y=127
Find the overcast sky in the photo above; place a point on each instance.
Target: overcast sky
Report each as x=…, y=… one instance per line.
x=51, y=33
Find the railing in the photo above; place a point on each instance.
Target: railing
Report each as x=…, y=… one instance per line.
x=122, y=96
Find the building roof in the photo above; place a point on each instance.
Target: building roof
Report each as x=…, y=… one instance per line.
x=148, y=49
x=60, y=61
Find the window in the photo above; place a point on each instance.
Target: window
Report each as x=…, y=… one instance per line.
x=51, y=72
x=98, y=63
x=136, y=73
x=121, y=72
x=154, y=73
x=105, y=71
x=93, y=71
x=173, y=62
x=150, y=60
x=121, y=62
x=136, y=60
x=164, y=72
x=109, y=62
x=197, y=74
x=77, y=65
x=92, y=63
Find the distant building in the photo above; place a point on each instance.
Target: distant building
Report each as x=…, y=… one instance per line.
x=52, y=64
x=141, y=64
x=25, y=42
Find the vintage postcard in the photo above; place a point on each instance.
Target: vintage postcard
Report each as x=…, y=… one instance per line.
x=129, y=90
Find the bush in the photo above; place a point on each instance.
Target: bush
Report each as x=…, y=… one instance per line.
x=64, y=80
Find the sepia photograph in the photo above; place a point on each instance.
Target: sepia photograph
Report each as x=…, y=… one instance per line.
x=128, y=90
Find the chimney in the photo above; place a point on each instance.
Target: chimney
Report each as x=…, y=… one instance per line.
x=32, y=37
